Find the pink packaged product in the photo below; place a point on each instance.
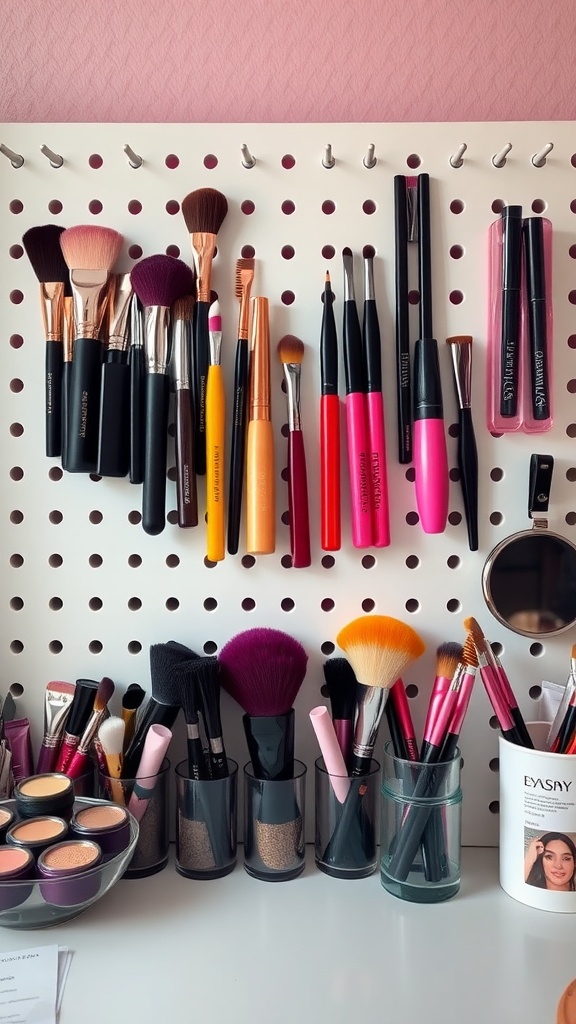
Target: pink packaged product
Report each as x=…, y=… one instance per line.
x=520, y=324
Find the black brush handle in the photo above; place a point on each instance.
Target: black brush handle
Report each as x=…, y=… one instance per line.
x=238, y=444
x=468, y=466
x=156, y=440
x=65, y=411
x=414, y=822
x=154, y=713
x=136, y=361
x=403, y=389
x=511, y=301
x=186, y=490
x=84, y=406
x=200, y=363
x=352, y=845
x=114, y=434
x=54, y=364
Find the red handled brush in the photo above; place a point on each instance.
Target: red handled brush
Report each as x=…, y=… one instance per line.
x=79, y=759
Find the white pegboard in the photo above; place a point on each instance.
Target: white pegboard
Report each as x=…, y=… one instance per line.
x=85, y=591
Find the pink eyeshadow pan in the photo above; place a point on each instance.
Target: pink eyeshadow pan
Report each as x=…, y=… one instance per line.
x=12, y=858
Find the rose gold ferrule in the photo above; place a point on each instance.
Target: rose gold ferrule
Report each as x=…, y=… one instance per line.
x=90, y=292
x=68, y=329
x=120, y=296
x=203, y=246
x=52, y=298
x=260, y=362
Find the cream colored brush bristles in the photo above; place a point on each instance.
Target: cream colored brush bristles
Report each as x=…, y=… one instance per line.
x=379, y=648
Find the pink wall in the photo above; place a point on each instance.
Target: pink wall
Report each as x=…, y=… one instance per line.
x=287, y=60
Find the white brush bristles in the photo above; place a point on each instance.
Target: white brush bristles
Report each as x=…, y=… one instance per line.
x=111, y=736
x=379, y=648
x=89, y=247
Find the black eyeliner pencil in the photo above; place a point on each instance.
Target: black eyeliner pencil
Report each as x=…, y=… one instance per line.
x=537, y=317
x=403, y=391
x=510, y=339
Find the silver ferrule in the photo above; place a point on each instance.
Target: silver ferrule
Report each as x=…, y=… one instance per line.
x=120, y=315
x=215, y=347
x=56, y=711
x=193, y=731
x=348, y=262
x=412, y=211
x=369, y=293
x=369, y=707
x=156, y=324
x=89, y=291
x=181, y=355
x=292, y=375
x=462, y=363
x=216, y=745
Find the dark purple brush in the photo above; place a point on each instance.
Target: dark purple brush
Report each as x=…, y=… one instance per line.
x=42, y=246
x=158, y=282
x=263, y=670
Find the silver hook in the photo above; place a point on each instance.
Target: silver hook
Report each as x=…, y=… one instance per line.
x=55, y=159
x=539, y=158
x=133, y=158
x=370, y=160
x=248, y=160
x=457, y=158
x=328, y=160
x=499, y=159
x=15, y=159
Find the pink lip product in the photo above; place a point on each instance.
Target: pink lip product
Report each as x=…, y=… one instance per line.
x=375, y=407
x=37, y=834
x=16, y=865
x=67, y=872
x=106, y=824
x=51, y=793
x=356, y=414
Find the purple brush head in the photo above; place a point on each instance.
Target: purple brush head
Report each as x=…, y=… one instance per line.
x=263, y=669
x=160, y=280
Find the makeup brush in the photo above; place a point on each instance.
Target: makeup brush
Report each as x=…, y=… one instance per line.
x=356, y=415
x=158, y=281
x=77, y=764
x=569, y=691
x=500, y=699
x=341, y=685
x=90, y=253
x=78, y=716
x=329, y=427
x=186, y=489
x=68, y=351
x=430, y=455
x=42, y=247
x=375, y=407
x=57, y=705
x=244, y=280
x=291, y=353
x=204, y=676
x=131, y=702
x=203, y=210
x=189, y=698
x=111, y=734
x=137, y=364
x=461, y=352
x=163, y=706
x=400, y=723
x=448, y=655
x=215, y=430
x=379, y=648
x=114, y=428
x=260, y=492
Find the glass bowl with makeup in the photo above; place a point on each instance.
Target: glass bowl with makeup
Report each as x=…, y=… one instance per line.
x=49, y=875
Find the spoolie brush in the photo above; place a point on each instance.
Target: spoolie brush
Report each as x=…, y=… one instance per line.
x=90, y=253
x=158, y=282
x=42, y=246
x=203, y=210
x=291, y=353
x=341, y=685
x=379, y=648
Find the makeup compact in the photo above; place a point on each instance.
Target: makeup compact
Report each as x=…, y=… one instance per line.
x=529, y=579
x=107, y=824
x=66, y=872
x=16, y=865
x=37, y=834
x=52, y=793
x=6, y=820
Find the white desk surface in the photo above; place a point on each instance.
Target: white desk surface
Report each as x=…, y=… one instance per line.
x=316, y=950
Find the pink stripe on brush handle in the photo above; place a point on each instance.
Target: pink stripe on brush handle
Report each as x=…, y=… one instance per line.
x=359, y=469
x=431, y=474
x=376, y=433
x=330, y=748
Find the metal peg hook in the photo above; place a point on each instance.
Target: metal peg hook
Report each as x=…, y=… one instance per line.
x=499, y=159
x=134, y=160
x=15, y=158
x=248, y=160
x=539, y=158
x=370, y=160
x=457, y=158
x=55, y=159
x=328, y=160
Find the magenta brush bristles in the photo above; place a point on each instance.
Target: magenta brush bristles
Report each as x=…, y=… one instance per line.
x=263, y=670
x=160, y=280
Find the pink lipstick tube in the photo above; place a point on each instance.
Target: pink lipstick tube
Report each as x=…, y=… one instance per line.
x=359, y=469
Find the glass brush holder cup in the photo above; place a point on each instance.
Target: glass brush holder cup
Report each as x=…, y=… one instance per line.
x=151, y=810
x=206, y=820
x=274, y=849
x=346, y=819
x=420, y=837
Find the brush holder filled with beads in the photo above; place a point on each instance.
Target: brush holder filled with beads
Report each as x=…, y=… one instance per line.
x=274, y=811
x=206, y=823
x=147, y=797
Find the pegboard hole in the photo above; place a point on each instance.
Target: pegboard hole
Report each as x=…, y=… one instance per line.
x=55, y=473
x=368, y=561
x=497, y=648
x=538, y=205
x=496, y=474
x=248, y=561
x=328, y=252
x=247, y=207
x=369, y=206
x=286, y=561
x=16, y=206
x=172, y=161
x=172, y=517
x=135, y=252
x=412, y=562
x=16, y=297
x=134, y=517
x=456, y=206
x=287, y=604
x=248, y=252
x=95, y=517
x=173, y=250
x=16, y=517
x=327, y=648
x=16, y=252
x=571, y=297
x=368, y=605
x=496, y=518
x=412, y=691
x=497, y=205
x=327, y=604
x=287, y=298
x=571, y=474
x=95, y=647
x=288, y=161
x=210, y=604
x=494, y=764
x=287, y=252
x=453, y=430
x=570, y=519
x=455, y=518
x=95, y=207
x=454, y=474
x=134, y=207
x=456, y=297
x=454, y=605
x=95, y=604
x=16, y=604
x=172, y=561
x=328, y=561
x=134, y=561
x=134, y=647
x=172, y=604
x=209, y=564
x=413, y=297
x=210, y=161
x=413, y=161
x=16, y=561
x=570, y=387
x=55, y=517
x=494, y=807
x=454, y=561
x=493, y=722
x=571, y=430
x=55, y=604
x=410, y=474
x=55, y=561
x=328, y=207
x=16, y=473
x=248, y=604
x=55, y=206
x=412, y=605
x=210, y=647
x=285, y=518
x=16, y=341
x=412, y=519
x=95, y=161
x=456, y=252
x=288, y=207
x=55, y=647
x=572, y=206
x=172, y=207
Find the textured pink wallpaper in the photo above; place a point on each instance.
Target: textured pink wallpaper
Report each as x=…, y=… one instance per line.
x=272, y=60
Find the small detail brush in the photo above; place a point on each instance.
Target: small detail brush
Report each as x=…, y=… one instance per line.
x=137, y=364
x=244, y=280
x=291, y=353
x=114, y=431
x=447, y=657
x=158, y=281
x=131, y=702
x=356, y=416
x=111, y=735
x=78, y=716
x=461, y=352
x=379, y=648
x=215, y=431
x=68, y=347
x=90, y=253
x=260, y=492
x=186, y=489
x=375, y=407
x=203, y=211
x=189, y=699
x=57, y=705
x=205, y=675
x=330, y=529
x=493, y=686
x=79, y=759
x=42, y=246
x=341, y=686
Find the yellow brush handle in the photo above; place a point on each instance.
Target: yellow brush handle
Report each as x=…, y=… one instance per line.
x=215, y=498
x=260, y=497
